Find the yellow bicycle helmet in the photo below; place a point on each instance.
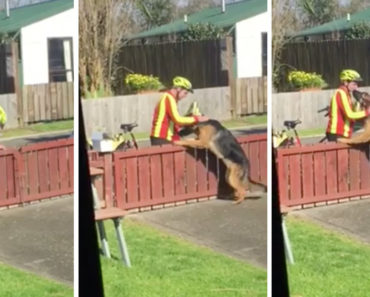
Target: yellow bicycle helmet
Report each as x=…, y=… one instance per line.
x=350, y=75
x=182, y=82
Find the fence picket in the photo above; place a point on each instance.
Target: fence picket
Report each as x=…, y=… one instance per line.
x=331, y=168
x=53, y=169
x=3, y=180
x=156, y=177
x=307, y=176
x=144, y=178
x=132, y=180
x=168, y=176
x=179, y=160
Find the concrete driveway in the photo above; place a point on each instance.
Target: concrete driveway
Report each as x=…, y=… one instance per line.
x=351, y=218
x=239, y=231
x=39, y=238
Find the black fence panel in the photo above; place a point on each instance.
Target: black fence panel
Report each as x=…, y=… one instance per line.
x=200, y=61
x=327, y=58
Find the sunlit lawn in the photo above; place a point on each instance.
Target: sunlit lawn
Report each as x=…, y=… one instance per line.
x=327, y=264
x=166, y=266
x=18, y=283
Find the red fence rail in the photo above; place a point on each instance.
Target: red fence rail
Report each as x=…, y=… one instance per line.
x=168, y=174
x=36, y=171
x=322, y=173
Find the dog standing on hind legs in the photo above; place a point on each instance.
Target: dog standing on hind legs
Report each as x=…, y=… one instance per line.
x=364, y=137
x=213, y=136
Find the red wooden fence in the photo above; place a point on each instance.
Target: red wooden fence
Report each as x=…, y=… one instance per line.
x=36, y=171
x=168, y=174
x=322, y=172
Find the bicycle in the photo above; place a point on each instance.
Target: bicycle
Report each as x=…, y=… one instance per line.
x=284, y=139
x=121, y=141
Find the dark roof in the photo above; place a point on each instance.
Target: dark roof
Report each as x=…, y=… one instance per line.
x=234, y=13
x=26, y=15
x=338, y=25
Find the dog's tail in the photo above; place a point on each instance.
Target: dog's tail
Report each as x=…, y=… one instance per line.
x=256, y=186
x=252, y=185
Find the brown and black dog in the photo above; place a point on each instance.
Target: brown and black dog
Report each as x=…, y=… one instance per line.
x=220, y=141
x=364, y=136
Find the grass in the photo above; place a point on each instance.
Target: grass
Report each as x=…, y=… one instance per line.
x=312, y=132
x=166, y=266
x=17, y=283
x=327, y=264
x=246, y=121
x=38, y=128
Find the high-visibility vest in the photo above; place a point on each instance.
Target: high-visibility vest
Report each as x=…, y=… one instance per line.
x=2, y=116
x=342, y=115
x=167, y=120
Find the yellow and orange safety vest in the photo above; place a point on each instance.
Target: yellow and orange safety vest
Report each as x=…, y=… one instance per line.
x=341, y=114
x=167, y=120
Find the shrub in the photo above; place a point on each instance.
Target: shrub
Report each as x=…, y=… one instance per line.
x=358, y=31
x=140, y=82
x=301, y=80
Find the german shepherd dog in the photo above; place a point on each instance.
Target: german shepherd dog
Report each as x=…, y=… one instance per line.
x=363, y=137
x=213, y=136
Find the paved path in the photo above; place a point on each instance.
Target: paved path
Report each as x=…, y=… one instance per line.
x=39, y=238
x=17, y=142
x=239, y=231
x=352, y=218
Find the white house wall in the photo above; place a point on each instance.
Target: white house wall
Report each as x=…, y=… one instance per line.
x=249, y=45
x=34, y=45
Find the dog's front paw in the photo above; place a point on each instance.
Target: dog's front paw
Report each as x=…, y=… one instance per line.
x=343, y=140
x=178, y=142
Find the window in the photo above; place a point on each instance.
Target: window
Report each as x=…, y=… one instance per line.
x=264, y=54
x=60, y=59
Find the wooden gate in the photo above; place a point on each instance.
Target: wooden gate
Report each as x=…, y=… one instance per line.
x=322, y=173
x=36, y=171
x=48, y=169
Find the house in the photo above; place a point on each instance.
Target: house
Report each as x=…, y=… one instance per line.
x=45, y=33
x=247, y=21
x=335, y=29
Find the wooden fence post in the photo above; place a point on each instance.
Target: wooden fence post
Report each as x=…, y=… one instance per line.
x=231, y=78
x=17, y=86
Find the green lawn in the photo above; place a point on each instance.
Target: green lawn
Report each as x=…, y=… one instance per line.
x=327, y=264
x=17, y=283
x=38, y=128
x=165, y=266
x=246, y=121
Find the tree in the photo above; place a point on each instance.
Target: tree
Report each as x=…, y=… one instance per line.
x=203, y=32
x=155, y=12
x=193, y=6
x=353, y=6
x=102, y=26
x=285, y=23
x=317, y=12
x=358, y=31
